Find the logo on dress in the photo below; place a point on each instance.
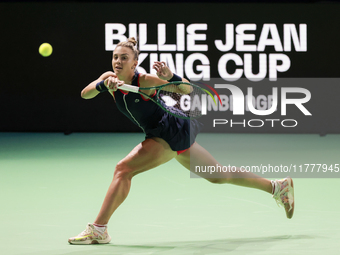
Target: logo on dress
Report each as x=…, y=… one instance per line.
x=137, y=100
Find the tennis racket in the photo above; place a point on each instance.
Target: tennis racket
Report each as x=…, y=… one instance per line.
x=181, y=99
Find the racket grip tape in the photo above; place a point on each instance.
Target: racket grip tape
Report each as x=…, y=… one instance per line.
x=129, y=88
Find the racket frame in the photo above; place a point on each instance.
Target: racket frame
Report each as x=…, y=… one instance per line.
x=135, y=89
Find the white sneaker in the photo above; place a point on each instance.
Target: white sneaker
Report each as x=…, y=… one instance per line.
x=284, y=195
x=90, y=236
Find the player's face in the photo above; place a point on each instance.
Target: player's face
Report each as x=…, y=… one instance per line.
x=123, y=61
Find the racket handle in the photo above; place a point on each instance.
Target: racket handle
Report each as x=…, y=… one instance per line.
x=130, y=88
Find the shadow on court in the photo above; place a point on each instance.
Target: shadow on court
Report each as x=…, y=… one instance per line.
x=224, y=246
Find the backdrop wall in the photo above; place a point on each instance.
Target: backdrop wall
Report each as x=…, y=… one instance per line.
x=248, y=45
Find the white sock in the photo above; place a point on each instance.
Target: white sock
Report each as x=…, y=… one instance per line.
x=99, y=227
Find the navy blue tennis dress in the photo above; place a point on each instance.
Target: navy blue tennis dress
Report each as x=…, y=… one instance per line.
x=180, y=134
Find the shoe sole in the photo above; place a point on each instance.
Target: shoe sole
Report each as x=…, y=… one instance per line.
x=90, y=242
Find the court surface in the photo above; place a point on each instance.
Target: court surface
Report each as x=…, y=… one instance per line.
x=52, y=185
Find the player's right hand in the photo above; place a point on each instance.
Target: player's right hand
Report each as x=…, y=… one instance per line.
x=113, y=82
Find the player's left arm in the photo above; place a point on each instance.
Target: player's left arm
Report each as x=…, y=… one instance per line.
x=164, y=72
x=163, y=75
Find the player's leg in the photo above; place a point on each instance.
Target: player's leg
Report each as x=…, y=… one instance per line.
x=198, y=156
x=146, y=155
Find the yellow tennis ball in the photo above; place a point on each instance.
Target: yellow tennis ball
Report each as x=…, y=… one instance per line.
x=45, y=49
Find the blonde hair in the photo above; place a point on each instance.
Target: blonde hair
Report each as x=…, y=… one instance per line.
x=130, y=43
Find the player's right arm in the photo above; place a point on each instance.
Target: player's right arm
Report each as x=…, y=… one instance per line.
x=90, y=90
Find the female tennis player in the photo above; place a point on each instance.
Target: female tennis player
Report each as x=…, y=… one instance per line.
x=167, y=137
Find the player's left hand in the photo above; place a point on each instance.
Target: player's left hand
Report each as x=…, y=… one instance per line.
x=163, y=71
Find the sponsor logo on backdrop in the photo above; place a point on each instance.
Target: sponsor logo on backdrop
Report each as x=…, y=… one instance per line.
x=189, y=55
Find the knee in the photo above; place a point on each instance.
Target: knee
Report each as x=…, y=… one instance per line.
x=123, y=170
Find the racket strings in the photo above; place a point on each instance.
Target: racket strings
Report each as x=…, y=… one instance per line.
x=182, y=100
